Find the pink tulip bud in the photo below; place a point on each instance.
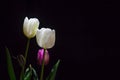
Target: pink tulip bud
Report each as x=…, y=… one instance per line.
x=40, y=57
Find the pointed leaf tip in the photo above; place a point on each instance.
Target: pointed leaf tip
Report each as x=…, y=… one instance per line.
x=10, y=65
x=52, y=74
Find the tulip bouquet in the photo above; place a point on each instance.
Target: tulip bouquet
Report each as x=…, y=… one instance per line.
x=45, y=38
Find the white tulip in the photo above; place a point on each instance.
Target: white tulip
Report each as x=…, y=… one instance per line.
x=30, y=27
x=45, y=38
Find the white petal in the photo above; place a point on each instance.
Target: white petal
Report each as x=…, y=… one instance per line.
x=51, y=40
x=25, y=25
x=25, y=21
x=38, y=37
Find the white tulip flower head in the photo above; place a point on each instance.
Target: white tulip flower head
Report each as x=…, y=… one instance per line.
x=45, y=38
x=30, y=27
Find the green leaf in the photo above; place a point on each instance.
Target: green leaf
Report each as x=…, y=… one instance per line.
x=28, y=73
x=52, y=74
x=10, y=65
x=35, y=76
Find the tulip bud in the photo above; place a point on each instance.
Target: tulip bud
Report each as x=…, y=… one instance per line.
x=40, y=57
x=30, y=27
x=45, y=38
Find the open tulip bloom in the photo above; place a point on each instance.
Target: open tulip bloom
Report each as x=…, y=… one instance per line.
x=45, y=38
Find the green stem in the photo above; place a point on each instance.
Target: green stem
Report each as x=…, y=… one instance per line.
x=42, y=68
x=22, y=71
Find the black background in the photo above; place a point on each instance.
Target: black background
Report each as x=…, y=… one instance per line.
x=87, y=36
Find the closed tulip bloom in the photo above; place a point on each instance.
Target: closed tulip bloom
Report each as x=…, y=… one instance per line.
x=45, y=38
x=40, y=57
x=30, y=27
